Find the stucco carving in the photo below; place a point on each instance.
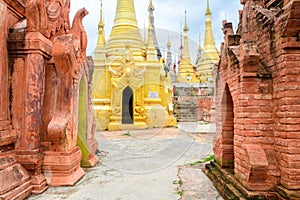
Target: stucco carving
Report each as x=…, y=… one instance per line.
x=50, y=17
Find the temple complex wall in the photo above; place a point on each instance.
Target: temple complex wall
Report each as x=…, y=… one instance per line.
x=257, y=103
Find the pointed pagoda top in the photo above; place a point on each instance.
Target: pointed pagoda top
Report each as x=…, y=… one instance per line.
x=151, y=19
x=209, y=42
x=209, y=55
x=186, y=28
x=101, y=37
x=150, y=7
x=186, y=53
x=151, y=51
x=186, y=72
x=125, y=28
x=208, y=12
x=101, y=24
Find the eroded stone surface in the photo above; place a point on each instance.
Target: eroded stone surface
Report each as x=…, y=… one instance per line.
x=195, y=185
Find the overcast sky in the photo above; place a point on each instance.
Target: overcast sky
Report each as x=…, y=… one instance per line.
x=169, y=19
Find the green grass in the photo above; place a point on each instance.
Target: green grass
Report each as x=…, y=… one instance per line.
x=177, y=182
x=127, y=134
x=203, y=122
x=180, y=192
x=204, y=160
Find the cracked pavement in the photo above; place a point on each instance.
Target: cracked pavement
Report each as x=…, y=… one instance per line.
x=144, y=164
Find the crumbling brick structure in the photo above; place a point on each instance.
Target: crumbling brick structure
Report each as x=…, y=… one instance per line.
x=205, y=109
x=256, y=150
x=46, y=122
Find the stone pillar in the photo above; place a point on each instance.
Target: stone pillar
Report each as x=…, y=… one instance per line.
x=61, y=163
x=30, y=64
x=14, y=179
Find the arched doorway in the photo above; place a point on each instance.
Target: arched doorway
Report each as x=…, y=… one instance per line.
x=127, y=106
x=227, y=130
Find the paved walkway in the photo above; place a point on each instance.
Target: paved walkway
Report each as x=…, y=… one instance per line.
x=143, y=165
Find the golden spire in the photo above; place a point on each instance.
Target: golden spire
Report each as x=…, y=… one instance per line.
x=209, y=42
x=125, y=30
x=208, y=12
x=186, y=28
x=101, y=37
x=186, y=70
x=150, y=6
x=210, y=55
x=186, y=53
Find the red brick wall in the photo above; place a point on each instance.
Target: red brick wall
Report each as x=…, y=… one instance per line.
x=260, y=72
x=204, y=109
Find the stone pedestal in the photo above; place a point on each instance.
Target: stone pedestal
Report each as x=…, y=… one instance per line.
x=32, y=161
x=62, y=168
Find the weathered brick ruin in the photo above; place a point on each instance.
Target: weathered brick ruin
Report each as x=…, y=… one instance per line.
x=205, y=111
x=257, y=153
x=46, y=122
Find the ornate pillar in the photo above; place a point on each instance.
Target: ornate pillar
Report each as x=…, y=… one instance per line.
x=61, y=163
x=69, y=145
x=14, y=179
x=29, y=63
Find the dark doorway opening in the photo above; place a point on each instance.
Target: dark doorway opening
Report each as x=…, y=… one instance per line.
x=228, y=130
x=127, y=106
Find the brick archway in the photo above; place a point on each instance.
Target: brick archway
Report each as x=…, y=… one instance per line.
x=227, y=129
x=224, y=147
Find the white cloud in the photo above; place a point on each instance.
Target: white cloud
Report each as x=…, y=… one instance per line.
x=169, y=19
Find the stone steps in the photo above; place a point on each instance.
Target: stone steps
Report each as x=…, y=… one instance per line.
x=15, y=180
x=229, y=188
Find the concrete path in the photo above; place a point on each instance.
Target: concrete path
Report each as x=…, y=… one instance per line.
x=197, y=127
x=140, y=165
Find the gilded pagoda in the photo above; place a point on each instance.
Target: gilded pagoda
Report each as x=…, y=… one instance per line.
x=130, y=87
x=210, y=55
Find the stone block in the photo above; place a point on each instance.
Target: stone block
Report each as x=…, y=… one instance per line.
x=62, y=168
x=15, y=180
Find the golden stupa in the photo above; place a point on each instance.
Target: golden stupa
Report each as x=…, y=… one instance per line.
x=210, y=55
x=130, y=87
x=186, y=71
